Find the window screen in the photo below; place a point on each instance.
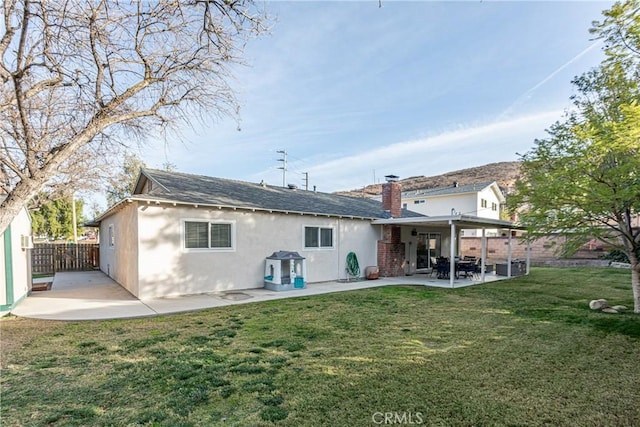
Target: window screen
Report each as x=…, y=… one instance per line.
x=311, y=237
x=196, y=234
x=220, y=235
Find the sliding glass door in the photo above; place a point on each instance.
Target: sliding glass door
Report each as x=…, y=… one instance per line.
x=428, y=247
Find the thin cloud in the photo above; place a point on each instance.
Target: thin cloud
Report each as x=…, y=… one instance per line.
x=493, y=142
x=527, y=95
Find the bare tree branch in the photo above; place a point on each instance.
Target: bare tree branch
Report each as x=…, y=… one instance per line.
x=85, y=78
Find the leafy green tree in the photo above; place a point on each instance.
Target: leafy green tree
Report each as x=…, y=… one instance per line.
x=620, y=29
x=122, y=184
x=583, y=181
x=54, y=218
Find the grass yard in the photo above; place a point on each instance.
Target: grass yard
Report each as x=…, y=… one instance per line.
x=521, y=352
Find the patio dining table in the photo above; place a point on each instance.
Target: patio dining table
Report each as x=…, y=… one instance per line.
x=466, y=268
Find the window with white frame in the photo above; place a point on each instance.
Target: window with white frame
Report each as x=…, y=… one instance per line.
x=318, y=237
x=112, y=236
x=483, y=203
x=208, y=235
x=494, y=206
x=418, y=202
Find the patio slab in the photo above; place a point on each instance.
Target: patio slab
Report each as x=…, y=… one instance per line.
x=81, y=295
x=94, y=296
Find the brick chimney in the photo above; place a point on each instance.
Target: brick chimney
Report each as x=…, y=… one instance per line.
x=391, y=254
x=390, y=247
x=392, y=196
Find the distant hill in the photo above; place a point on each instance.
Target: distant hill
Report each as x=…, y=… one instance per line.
x=504, y=173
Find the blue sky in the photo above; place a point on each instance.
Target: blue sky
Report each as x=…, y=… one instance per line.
x=354, y=92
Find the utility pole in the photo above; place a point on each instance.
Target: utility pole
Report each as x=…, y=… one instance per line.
x=306, y=181
x=284, y=166
x=73, y=218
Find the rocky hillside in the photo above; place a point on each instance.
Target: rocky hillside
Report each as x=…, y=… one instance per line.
x=504, y=173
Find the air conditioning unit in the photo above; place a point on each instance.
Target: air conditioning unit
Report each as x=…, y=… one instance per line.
x=26, y=242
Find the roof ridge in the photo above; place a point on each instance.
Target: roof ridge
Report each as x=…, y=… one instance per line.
x=257, y=184
x=187, y=174
x=434, y=189
x=207, y=190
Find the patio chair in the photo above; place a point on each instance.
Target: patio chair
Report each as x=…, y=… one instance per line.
x=478, y=266
x=434, y=263
x=465, y=268
x=442, y=268
x=477, y=272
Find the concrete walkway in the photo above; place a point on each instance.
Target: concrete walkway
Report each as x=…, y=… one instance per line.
x=93, y=296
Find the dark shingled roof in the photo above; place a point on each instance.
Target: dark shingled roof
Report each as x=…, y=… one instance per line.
x=198, y=189
x=440, y=191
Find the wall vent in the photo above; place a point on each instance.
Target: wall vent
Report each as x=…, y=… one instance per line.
x=26, y=242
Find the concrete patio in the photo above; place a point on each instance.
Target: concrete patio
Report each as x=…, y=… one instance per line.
x=93, y=296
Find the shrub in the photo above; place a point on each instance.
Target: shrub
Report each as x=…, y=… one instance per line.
x=616, y=255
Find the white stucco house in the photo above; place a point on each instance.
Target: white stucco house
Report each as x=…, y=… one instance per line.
x=186, y=234
x=15, y=261
x=484, y=200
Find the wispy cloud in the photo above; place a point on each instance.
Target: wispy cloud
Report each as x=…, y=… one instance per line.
x=444, y=152
x=352, y=88
x=529, y=93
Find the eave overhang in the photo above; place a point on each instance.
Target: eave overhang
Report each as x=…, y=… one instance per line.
x=174, y=203
x=463, y=221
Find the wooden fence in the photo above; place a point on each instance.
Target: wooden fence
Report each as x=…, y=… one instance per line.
x=48, y=258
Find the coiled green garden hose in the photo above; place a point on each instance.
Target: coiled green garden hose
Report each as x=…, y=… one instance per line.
x=353, y=268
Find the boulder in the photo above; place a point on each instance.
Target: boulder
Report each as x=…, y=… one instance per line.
x=598, y=304
x=609, y=310
x=620, y=308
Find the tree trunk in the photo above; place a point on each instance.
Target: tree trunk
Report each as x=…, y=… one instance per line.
x=635, y=281
x=635, y=285
x=17, y=199
x=8, y=211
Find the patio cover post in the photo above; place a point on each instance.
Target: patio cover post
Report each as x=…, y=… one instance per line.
x=509, y=256
x=452, y=251
x=483, y=255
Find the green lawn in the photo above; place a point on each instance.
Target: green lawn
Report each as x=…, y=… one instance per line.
x=521, y=352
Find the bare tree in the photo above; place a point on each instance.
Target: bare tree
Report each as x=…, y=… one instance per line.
x=82, y=78
x=122, y=183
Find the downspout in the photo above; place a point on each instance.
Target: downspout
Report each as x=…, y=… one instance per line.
x=452, y=251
